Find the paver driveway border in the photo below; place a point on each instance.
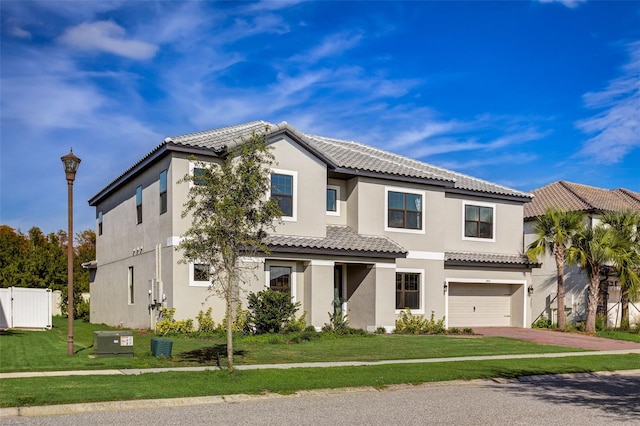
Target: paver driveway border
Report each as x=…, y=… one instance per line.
x=557, y=338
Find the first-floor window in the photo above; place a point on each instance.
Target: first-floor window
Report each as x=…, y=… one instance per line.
x=200, y=272
x=280, y=278
x=131, y=285
x=407, y=290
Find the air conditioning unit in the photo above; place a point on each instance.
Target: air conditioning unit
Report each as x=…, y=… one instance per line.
x=113, y=343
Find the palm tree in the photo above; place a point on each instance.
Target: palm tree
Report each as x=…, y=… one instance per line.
x=625, y=225
x=554, y=231
x=594, y=248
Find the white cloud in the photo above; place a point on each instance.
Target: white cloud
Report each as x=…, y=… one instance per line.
x=571, y=4
x=16, y=30
x=615, y=129
x=331, y=46
x=106, y=36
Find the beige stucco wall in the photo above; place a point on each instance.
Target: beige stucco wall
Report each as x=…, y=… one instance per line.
x=507, y=217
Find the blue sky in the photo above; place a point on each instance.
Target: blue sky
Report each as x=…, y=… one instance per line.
x=520, y=93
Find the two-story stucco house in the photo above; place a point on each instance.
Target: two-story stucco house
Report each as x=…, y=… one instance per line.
x=592, y=202
x=377, y=231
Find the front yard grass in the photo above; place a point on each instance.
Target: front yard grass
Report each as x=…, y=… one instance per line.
x=75, y=389
x=47, y=350
x=632, y=336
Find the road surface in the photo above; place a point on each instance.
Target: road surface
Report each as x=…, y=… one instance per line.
x=585, y=399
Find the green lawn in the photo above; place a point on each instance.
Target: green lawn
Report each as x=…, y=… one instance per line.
x=47, y=350
x=632, y=336
x=64, y=390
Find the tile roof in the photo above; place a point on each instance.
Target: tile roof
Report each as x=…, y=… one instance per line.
x=339, y=240
x=577, y=197
x=348, y=155
x=488, y=258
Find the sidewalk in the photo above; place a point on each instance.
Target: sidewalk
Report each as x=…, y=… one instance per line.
x=52, y=410
x=137, y=371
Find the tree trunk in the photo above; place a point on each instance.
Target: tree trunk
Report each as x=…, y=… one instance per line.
x=624, y=310
x=560, y=297
x=592, y=302
x=603, y=298
x=229, y=299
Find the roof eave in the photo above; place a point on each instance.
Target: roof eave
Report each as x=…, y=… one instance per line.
x=501, y=265
x=524, y=198
x=336, y=252
x=158, y=153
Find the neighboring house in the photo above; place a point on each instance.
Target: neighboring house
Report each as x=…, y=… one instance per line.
x=593, y=202
x=374, y=230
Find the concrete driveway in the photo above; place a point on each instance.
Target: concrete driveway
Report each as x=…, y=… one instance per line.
x=549, y=337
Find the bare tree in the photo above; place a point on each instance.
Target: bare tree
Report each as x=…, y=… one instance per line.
x=230, y=214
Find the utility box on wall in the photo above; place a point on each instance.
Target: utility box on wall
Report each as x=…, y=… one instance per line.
x=113, y=343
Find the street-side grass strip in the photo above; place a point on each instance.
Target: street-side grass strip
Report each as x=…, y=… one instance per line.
x=47, y=350
x=66, y=390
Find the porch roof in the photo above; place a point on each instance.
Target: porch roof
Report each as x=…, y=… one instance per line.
x=488, y=259
x=339, y=240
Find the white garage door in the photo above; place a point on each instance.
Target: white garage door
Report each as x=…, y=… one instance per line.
x=480, y=305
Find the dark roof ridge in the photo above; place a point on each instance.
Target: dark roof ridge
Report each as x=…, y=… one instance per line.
x=567, y=185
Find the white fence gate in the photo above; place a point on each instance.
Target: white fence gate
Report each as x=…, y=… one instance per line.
x=25, y=307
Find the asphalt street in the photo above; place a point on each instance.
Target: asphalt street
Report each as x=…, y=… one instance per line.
x=580, y=399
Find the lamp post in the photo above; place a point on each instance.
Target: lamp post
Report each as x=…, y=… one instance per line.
x=70, y=163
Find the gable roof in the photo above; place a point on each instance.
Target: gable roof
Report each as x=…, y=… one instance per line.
x=340, y=156
x=577, y=197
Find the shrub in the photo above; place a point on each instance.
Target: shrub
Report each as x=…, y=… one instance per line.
x=270, y=311
x=83, y=309
x=381, y=330
x=297, y=325
x=206, y=324
x=542, y=322
x=169, y=326
x=407, y=323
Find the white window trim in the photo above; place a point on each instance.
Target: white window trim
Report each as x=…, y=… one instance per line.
x=337, y=189
x=192, y=281
x=480, y=204
x=131, y=274
x=419, y=311
x=294, y=198
x=388, y=189
x=267, y=274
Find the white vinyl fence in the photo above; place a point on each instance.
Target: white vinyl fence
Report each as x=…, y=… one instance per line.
x=25, y=307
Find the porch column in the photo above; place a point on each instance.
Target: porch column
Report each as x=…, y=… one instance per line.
x=318, y=294
x=385, y=297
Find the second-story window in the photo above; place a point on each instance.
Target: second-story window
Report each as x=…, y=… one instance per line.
x=163, y=192
x=404, y=210
x=478, y=221
x=100, y=222
x=139, y=204
x=332, y=200
x=282, y=191
x=198, y=176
